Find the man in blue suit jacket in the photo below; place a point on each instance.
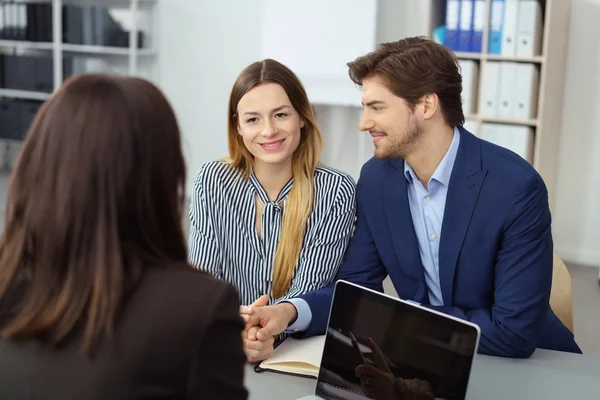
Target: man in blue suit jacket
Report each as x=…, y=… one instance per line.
x=459, y=224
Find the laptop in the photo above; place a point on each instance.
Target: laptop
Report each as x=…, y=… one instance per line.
x=380, y=347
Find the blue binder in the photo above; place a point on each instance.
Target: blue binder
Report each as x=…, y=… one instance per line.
x=466, y=25
x=477, y=24
x=496, y=24
x=452, y=24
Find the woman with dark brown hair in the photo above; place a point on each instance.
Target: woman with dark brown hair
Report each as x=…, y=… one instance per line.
x=97, y=300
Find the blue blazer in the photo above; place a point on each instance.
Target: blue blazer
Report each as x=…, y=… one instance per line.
x=495, y=256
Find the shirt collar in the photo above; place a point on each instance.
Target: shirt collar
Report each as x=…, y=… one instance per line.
x=444, y=169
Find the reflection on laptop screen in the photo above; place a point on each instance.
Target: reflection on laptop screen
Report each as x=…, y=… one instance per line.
x=381, y=348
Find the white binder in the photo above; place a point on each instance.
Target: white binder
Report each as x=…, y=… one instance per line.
x=470, y=77
x=517, y=138
x=506, y=101
x=471, y=126
x=529, y=30
x=526, y=91
x=490, y=80
x=509, y=29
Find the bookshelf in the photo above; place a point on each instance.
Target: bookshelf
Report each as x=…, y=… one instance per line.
x=47, y=41
x=551, y=64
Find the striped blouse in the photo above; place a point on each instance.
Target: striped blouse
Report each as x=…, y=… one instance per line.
x=223, y=239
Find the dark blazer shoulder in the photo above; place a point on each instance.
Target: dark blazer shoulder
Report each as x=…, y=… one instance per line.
x=506, y=168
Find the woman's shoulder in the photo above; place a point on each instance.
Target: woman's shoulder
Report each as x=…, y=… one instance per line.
x=334, y=179
x=185, y=284
x=219, y=178
x=218, y=169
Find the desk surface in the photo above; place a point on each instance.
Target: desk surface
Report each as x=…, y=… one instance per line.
x=546, y=375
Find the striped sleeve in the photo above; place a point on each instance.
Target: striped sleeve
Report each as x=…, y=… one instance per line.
x=204, y=252
x=320, y=260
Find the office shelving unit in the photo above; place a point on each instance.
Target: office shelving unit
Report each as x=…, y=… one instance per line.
x=547, y=124
x=131, y=60
x=131, y=56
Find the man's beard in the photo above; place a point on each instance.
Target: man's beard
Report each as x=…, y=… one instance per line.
x=400, y=146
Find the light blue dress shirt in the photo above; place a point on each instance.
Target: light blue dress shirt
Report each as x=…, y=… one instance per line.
x=427, y=207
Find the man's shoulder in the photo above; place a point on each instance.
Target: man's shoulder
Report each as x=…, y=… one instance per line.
x=505, y=166
x=373, y=169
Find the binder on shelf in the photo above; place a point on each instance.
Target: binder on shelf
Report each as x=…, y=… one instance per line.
x=495, y=31
x=16, y=116
x=507, y=98
x=452, y=24
x=470, y=77
x=517, y=138
x=526, y=91
x=465, y=25
x=27, y=73
x=509, y=28
x=529, y=29
x=471, y=126
x=21, y=21
x=478, y=25
x=490, y=81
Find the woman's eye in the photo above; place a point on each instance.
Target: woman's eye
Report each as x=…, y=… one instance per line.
x=251, y=120
x=280, y=115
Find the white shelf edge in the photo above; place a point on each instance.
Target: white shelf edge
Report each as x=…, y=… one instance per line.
x=24, y=94
x=23, y=44
x=76, y=48
x=493, y=120
x=103, y=50
x=498, y=57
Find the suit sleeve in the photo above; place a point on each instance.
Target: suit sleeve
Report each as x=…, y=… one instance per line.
x=512, y=328
x=204, y=252
x=218, y=369
x=361, y=265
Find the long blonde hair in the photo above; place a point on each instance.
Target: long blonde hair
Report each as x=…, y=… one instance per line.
x=300, y=201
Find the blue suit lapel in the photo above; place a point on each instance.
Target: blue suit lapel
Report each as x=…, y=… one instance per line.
x=400, y=225
x=463, y=190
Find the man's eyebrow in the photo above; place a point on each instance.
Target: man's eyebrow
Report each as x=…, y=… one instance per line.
x=373, y=102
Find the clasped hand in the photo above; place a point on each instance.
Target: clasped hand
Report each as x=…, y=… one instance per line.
x=263, y=323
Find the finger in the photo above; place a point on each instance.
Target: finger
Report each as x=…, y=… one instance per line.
x=365, y=369
x=246, y=310
x=266, y=332
x=252, y=333
x=255, y=345
x=252, y=356
x=378, y=356
x=250, y=321
x=261, y=301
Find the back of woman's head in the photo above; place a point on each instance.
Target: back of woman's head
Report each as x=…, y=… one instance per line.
x=96, y=197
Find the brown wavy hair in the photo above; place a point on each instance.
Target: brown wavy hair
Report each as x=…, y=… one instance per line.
x=95, y=198
x=300, y=201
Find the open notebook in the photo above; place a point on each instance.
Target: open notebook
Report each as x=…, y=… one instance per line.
x=296, y=357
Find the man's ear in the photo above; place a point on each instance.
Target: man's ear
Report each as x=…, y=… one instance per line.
x=430, y=105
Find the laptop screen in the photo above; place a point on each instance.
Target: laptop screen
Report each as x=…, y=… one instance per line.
x=380, y=348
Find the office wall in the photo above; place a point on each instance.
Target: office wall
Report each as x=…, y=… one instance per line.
x=203, y=46
x=577, y=208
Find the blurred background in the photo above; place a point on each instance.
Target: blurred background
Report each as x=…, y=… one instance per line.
x=531, y=82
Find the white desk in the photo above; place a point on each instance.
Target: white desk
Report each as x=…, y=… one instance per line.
x=547, y=375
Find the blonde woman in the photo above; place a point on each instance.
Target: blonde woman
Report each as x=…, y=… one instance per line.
x=270, y=220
